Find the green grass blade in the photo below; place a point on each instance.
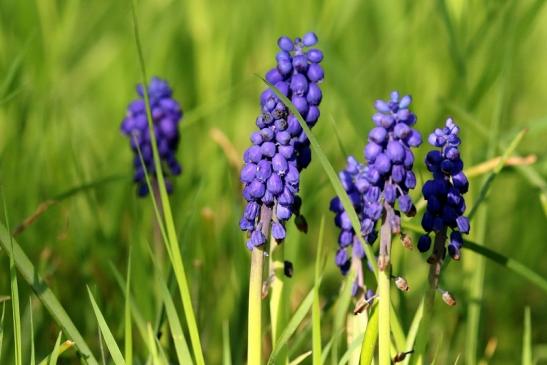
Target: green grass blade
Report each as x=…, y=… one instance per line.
x=292, y=325
x=136, y=314
x=509, y=263
x=226, y=351
x=354, y=346
x=2, y=328
x=340, y=314
x=181, y=346
x=55, y=353
x=16, y=314
x=527, y=338
x=316, y=308
x=111, y=344
x=58, y=350
x=152, y=345
x=488, y=182
x=46, y=296
x=413, y=332
x=328, y=347
x=172, y=243
x=369, y=340
x=128, y=330
x=32, y=350
x=331, y=174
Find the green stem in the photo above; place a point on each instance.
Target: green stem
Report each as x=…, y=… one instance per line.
x=254, y=323
x=384, y=340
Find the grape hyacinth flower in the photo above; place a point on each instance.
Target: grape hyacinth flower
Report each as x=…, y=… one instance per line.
x=444, y=195
x=375, y=189
x=166, y=115
x=280, y=149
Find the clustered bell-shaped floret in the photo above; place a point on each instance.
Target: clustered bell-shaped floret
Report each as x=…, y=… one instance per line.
x=166, y=115
x=374, y=189
x=444, y=193
x=281, y=149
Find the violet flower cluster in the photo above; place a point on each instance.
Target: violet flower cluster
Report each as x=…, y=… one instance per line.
x=166, y=115
x=280, y=150
x=374, y=189
x=444, y=193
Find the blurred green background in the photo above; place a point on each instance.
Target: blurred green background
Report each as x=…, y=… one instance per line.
x=69, y=68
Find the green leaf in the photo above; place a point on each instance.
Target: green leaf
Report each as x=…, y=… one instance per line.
x=316, y=308
x=55, y=353
x=172, y=244
x=32, y=351
x=369, y=340
x=128, y=331
x=527, y=338
x=111, y=344
x=2, y=328
x=58, y=350
x=46, y=296
x=293, y=324
x=226, y=351
x=413, y=332
x=136, y=314
x=354, y=345
x=16, y=314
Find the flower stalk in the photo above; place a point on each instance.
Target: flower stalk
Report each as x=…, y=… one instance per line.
x=254, y=339
x=384, y=275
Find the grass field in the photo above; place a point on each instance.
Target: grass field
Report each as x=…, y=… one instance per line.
x=68, y=70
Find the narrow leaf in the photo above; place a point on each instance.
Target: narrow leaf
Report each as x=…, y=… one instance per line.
x=293, y=324
x=109, y=340
x=46, y=296
x=369, y=340
x=527, y=338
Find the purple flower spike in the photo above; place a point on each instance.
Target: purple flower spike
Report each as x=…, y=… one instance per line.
x=383, y=184
x=166, y=116
x=280, y=149
x=444, y=193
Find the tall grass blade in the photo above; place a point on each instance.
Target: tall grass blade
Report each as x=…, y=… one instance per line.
x=354, y=346
x=527, y=338
x=2, y=328
x=369, y=340
x=55, y=353
x=32, y=350
x=292, y=325
x=413, y=332
x=128, y=330
x=341, y=312
x=109, y=340
x=16, y=314
x=58, y=350
x=135, y=313
x=46, y=296
x=316, y=308
x=172, y=243
x=226, y=351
